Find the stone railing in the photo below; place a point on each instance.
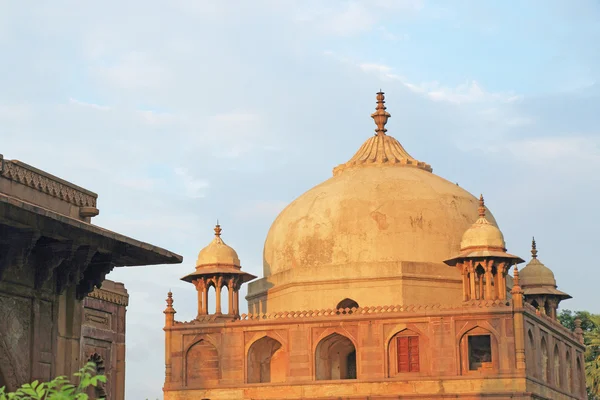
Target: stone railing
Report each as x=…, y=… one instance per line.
x=32, y=177
x=343, y=312
x=549, y=320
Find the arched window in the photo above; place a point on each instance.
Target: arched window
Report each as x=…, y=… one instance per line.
x=569, y=371
x=479, y=351
x=335, y=358
x=346, y=304
x=556, y=366
x=202, y=365
x=530, y=354
x=545, y=361
x=404, y=353
x=265, y=361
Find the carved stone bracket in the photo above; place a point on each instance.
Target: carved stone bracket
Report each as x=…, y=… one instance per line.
x=15, y=247
x=72, y=269
x=47, y=256
x=94, y=275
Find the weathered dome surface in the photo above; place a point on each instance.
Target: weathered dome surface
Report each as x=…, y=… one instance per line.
x=381, y=206
x=217, y=253
x=482, y=233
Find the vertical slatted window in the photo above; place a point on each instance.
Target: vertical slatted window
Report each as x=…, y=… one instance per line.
x=408, y=353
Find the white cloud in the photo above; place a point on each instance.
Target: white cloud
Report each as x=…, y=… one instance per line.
x=89, y=105
x=134, y=70
x=194, y=187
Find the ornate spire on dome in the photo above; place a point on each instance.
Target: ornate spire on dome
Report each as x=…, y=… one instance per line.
x=380, y=116
x=481, y=208
x=533, y=249
x=218, y=230
x=381, y=149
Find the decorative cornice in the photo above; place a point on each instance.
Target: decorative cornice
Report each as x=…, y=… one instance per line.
x=121, y=299
x=39, y=180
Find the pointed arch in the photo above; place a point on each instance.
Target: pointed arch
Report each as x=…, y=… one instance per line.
x=404, y=352
x=335, y=358
x=545, y=360
x=479, y=351
x=266, y=361
x=97, y=359
x=346, y=304
x=568, y=371
x=202, y=364
x=530, y=354
x=579, y=378
x=556, y=366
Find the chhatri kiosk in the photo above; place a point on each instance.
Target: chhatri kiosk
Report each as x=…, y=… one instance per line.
x=384, y=282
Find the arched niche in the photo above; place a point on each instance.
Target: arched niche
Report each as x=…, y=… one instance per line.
x=335, y=358
x=479, y=351
x=530, y=354
x=579, y=380
x=202, y=364
x=266, y=361
x=346, y=304
x=405, y=352
x=99, y=391
x=544, y=360
x=569, y=371
x=556, y=366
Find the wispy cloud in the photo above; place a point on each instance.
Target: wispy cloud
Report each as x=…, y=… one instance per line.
x=193, y=187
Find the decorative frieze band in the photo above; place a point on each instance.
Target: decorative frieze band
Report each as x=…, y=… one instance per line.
x=20, y=173
x=110, y=296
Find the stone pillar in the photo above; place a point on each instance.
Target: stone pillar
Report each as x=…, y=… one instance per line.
x=236, y=300
x=230, y=283
x=200, y=290
x=502, y=281
x=465, y=279
x=488, y=281
x=472, y=280
x=205, y=299
x=219, y=282
x=169, y=322
x=519, y=322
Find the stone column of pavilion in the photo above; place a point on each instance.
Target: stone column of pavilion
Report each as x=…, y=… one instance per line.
x=169, y=322
x=218, y=265
x=483, y=260
x=539, y=285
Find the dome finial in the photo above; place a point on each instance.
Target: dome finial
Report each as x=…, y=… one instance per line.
x=533, y=248
x=481, y=207
x=218, y=229
x=380, y=115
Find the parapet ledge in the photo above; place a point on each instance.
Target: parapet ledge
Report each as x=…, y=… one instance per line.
x=333, y=312
x=44, y=182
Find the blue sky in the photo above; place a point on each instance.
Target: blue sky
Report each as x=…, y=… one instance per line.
x=183, y=112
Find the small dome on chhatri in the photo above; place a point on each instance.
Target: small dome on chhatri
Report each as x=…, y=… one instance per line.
x=217, y=253
x=482, y=233
x=536, y=278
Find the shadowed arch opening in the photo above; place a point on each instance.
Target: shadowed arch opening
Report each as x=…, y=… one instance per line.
x=569, y=371
x=266, y=361
x=530, y=353
x=545, y=361
x=479, y=351
x=556, y=366
x=346, y=303
x=202, y=364
x=578, y=387
x=99, y=391
x=335, y=358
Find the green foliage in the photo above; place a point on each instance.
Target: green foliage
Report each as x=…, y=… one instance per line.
x=58, y=389
x=590, y=324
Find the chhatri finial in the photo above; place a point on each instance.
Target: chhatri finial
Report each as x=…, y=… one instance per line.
x=380, y=115
x=169, y=308
x=533, y=248
x=481, y=207
x=218, y=229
